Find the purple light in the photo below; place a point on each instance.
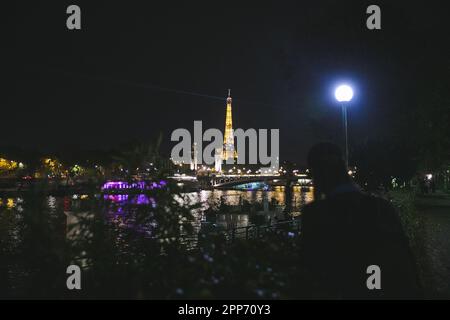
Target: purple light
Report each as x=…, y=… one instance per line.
x=144, y=199
x=116, y=197
x=140, y=185
x=141, y=199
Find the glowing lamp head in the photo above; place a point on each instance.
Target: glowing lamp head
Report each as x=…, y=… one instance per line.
x=343, y=93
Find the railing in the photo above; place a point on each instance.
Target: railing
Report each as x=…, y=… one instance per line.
x=290, y=228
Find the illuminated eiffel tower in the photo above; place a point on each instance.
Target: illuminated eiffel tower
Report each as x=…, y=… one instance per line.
x=228, y=139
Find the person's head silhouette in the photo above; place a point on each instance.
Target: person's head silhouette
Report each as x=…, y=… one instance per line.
x=327, y=167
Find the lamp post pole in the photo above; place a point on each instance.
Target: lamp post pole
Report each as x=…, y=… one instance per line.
x=344, y=94
x=344, y=117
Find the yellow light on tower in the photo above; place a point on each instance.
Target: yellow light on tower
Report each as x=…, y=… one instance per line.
x=228, y=139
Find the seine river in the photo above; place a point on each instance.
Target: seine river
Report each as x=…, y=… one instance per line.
x=208, y=199
x=435, y=220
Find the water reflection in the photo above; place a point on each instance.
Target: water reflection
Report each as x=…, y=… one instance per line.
x=9, y=203
x=140, y=199
x=235, y=198
x=213, y=198
x=117, y=208
x=228, y=221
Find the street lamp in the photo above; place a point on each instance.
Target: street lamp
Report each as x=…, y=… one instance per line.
x=343, y=94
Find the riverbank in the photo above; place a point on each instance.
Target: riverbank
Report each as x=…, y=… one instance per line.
x=426, y=220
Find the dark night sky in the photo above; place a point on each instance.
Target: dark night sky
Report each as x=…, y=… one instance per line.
x=101, y=86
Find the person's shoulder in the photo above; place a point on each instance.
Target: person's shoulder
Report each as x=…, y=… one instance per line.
x=384, y=211
x=378, y=202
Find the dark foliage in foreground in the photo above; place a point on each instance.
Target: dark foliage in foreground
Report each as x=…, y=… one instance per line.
x=140, y=253
x=137, y=255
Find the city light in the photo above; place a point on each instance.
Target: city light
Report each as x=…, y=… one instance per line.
x=343, y=93
x=7, y=164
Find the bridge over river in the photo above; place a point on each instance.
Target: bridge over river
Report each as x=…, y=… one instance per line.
x=229, y=181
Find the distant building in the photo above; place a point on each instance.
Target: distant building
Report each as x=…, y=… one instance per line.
x=218, y=160
x=194, y=161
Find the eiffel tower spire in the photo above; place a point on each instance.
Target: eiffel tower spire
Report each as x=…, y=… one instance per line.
x=228, y=139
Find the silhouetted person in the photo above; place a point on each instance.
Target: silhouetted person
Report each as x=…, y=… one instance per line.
x=344, y=231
